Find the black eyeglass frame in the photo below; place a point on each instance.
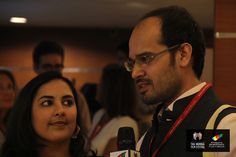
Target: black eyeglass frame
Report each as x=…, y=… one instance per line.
x=129, y=64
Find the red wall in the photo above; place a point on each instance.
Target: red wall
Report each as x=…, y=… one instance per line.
x=225, y=48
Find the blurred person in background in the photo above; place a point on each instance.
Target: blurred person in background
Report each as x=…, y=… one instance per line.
x=49, y=56
x=89, y=91
x=45, y=120
x=116, y=94
x=122, y=52
x=7, y=97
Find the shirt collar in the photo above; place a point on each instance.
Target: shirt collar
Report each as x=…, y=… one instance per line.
x=191, y=91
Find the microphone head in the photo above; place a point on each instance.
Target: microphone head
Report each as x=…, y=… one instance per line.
x=126, y=139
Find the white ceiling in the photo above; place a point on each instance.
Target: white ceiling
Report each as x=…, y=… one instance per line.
x=96, y=13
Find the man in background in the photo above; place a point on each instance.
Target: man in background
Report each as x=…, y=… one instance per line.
x=49, y=56
x=122, y=52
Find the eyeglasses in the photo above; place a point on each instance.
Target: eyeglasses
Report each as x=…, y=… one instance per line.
x=48, y=67
x=146, y=58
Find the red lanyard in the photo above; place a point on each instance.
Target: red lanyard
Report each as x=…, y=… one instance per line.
x=180, y=119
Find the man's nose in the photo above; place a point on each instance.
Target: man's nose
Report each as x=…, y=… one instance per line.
x=137, y=71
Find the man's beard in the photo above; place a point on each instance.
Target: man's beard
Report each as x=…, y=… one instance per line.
x=151, y=100
x=167, y=91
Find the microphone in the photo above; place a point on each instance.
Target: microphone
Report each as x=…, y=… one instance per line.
x=126, y=139
x=125, y=143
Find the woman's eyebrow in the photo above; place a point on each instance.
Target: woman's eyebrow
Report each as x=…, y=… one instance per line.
x=46, y=96
x=67, y=96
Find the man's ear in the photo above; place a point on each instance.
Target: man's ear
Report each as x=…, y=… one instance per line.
x=185, y=55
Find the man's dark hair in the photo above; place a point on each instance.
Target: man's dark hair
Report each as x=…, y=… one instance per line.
x=178, y=27
x=21, y=139
x=44, y=48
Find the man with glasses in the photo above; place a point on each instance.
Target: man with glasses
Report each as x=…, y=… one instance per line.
x=49, y=56
x=166, y=58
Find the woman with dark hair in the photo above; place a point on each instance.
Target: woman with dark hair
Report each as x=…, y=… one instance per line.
x=116, y=94
x=45, y=120
x=7, y=98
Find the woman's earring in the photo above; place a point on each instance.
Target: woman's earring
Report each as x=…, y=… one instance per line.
x=76, y=133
